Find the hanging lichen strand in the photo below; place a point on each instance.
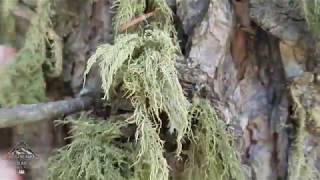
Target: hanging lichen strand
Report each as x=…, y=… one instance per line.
x=300, y=167
x=92, y=153
x=23, y=81
x=212, y=154
x=311, y=10
x=7, y=23
x=144, y=57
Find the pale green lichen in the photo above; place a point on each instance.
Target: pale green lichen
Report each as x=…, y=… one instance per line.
x=145, y=60
x=142, y=60
x=126, y=11
x=311, y=11
x=7, y=22
x=300, y=167
x=93, y=153
x=151, y=163
x=22, y=81
x=213, y=154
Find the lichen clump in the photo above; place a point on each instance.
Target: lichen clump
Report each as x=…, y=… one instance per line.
x=22, y=82
x=302, y=166
x=311, y=10
x=212, y=154
x=92, y=153
x=141, y=61
x=145, y=60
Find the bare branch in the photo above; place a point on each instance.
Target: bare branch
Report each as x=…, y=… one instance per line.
x=137, y=20
x=45, y=111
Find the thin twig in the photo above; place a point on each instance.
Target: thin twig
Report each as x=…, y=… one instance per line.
x=137, y=20
x=45, y=111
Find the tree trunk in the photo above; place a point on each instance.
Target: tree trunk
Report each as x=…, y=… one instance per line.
x=256, y=61
x=248, y=55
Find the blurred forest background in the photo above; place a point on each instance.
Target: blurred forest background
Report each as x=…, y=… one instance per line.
x=162, y=89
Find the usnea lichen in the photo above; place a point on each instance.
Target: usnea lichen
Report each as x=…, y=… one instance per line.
x=145, y=60
x=28, y=64
x=311, y=10
x=23, y=80
x=7, y=22
x=212, y=154
x=142, y=59
x=93, y=153
x=300, y=167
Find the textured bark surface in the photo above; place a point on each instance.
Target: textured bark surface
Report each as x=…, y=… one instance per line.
x=82, y=27
x=248, y=58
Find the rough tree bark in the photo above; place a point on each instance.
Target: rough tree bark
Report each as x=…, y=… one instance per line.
x=82, y=26
x=246, y=56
